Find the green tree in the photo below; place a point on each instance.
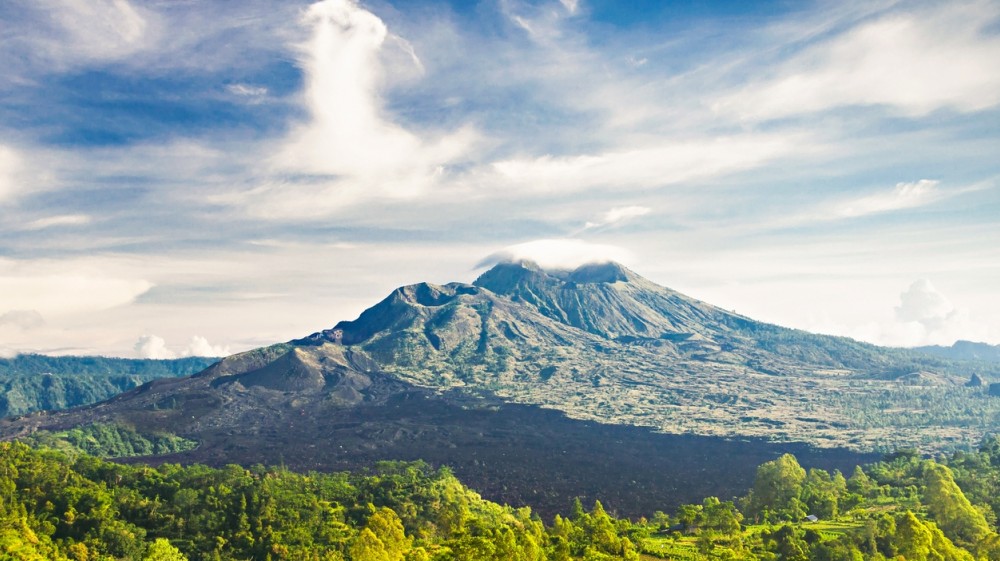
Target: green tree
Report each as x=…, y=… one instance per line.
x=790, y=544
x=367, y=547
x=860, y=483
x=913, y=539
x=820, y=494
x=721, y=517
x=162, y=550
x=387, y=526
x=778, y=488
x=953, y=512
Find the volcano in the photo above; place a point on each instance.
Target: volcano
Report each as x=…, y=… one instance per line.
x=536, y=386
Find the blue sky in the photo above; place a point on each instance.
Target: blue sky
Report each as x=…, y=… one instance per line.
x=185, y=178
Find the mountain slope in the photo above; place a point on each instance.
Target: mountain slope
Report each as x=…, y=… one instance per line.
x=601, y=343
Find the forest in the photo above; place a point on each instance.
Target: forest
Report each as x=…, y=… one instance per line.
x=65, y=505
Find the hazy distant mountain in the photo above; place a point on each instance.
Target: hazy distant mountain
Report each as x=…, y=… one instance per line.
x=965, y=350
x=454, y=374
x=32, y=382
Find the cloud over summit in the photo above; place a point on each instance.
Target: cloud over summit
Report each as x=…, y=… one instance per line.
x=558, y=254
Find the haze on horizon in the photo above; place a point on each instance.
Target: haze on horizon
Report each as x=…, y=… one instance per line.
x=204, y=178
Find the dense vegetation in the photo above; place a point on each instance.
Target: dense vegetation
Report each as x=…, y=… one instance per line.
x=105, y=440
x=904, y=508
x=31, y=382
x=52, y=507
x=58, y=506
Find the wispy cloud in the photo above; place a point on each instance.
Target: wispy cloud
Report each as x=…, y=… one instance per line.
x=940, y=56
x=82, y=31
x=252, y=94
x=62, y=220
x=572, y=6
x=618, y=215
x=10, y=171
x=902, y=196
x=643, y=167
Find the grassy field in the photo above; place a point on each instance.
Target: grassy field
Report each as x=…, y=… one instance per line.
x=666, y=547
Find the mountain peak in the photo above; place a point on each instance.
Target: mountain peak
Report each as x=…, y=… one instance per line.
x=508, y=276
x=607, y=272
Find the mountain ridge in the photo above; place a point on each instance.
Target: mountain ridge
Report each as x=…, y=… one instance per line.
x=964, y=350
x=34, y=382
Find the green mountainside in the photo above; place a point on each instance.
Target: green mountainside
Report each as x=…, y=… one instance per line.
x=31, y=382
x=601, y=343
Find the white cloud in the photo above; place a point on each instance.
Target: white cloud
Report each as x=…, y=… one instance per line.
x=11, y=168
x=60, y=220
x=571, y=5
x=95, y=30
x=54, y=288
x=253, y=94
x=903, y=196
x=154, y=346
x=22, y=319
x=544, y=22
x=957, y=325
x=350, y=146
x=924, y=316
x=645, y=167
x=618, y=215
x=199, y=346
x=916, y=62
x=27, y=170
x=559, y=253
x=636, y=62
x=922, y=304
